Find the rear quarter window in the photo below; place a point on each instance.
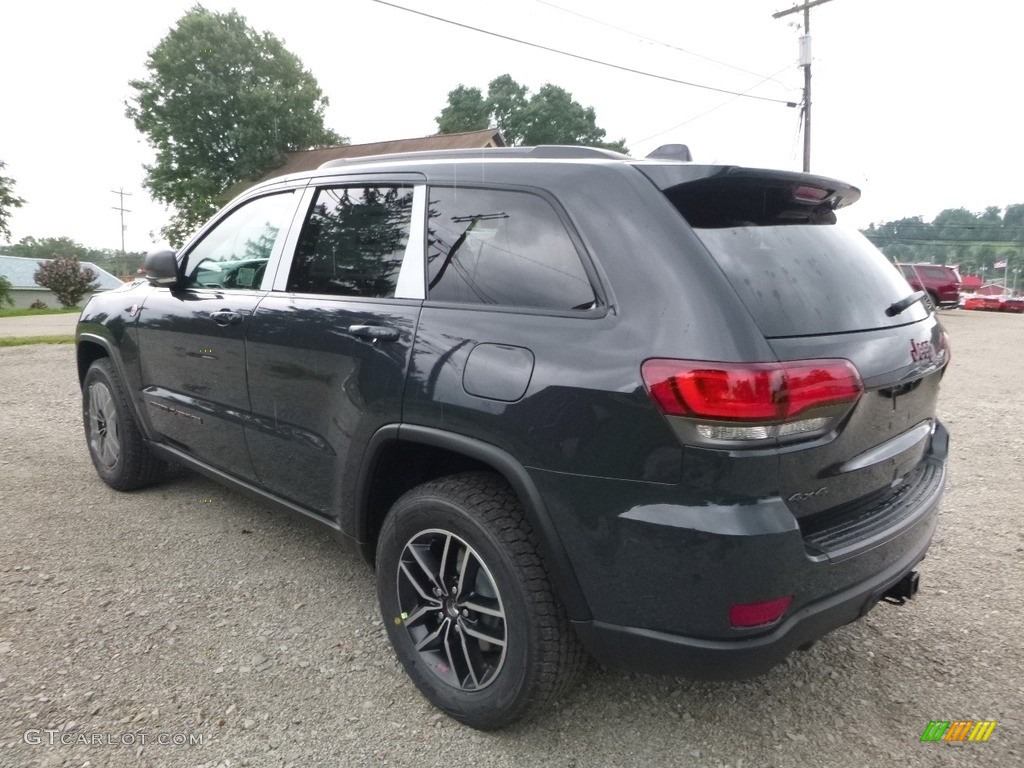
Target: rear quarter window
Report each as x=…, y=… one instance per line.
x=502, y=248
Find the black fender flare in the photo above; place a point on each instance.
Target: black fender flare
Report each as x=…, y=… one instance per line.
x=552, y=550
x=141, y=417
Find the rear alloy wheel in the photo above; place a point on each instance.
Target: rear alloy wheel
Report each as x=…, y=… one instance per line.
x=468, y=605
x=118, y=451
x=452, y=610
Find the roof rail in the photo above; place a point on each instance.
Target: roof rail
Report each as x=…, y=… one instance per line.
x=542, y=151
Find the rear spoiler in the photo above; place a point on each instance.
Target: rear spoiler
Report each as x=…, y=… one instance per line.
x=712, y=196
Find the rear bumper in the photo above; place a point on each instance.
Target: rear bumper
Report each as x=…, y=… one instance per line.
x=660, y=577
x=645, y=650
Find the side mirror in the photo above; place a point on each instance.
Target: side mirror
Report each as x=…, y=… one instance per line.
x=160, y=268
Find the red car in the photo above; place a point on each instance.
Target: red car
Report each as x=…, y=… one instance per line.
x=941, y=283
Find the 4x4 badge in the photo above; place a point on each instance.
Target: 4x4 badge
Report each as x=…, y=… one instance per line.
x=808, y=494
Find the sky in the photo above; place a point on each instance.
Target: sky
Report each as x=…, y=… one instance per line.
x=917, y=102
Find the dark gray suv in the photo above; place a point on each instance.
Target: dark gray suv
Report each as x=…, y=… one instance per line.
x=565, y=401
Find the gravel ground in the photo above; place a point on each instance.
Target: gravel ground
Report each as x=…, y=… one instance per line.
x=190, y=610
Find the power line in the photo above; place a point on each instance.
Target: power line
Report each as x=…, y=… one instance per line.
x=580, y=57
x=921, y=241
x=702, y=114
x=668, y=45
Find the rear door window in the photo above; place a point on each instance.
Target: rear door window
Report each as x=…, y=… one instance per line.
x=502, y=248
x=353, y=242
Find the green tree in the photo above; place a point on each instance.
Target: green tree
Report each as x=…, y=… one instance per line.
x=509, y=108
x=8, y=200
x=550, y=116
x=1014, y=215
x=466, y=111
x=68, y=280
x=5, y=292
x=48, y=247
x=220, y=104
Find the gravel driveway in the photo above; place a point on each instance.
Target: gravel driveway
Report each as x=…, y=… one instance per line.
x=187, y=612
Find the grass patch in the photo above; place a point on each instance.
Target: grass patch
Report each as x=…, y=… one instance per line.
x=33, y=312
x=20, y=341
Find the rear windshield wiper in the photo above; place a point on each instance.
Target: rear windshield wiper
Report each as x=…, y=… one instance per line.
x=898, y=306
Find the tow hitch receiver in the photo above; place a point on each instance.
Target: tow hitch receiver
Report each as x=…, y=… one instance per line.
x=902, y=590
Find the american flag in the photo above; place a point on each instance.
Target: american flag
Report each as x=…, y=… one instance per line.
x=999, y=264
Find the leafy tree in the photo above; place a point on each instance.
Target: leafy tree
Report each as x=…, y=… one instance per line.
x=220, y=104
x=68, y=280
x=5, y=292
x=466, y=111
x=8, y=200
x=550, y=116
x=1014, y=215
x=48, y=247
x=954, y=236
x=507, y=103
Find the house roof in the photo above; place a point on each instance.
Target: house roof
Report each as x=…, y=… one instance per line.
x=20, y=270
x=312, y=159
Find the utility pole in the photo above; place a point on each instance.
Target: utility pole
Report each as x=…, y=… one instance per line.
x=120, y=191
x=805, y=62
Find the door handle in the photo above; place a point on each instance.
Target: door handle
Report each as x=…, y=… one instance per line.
x=374, y=332
x=226, y=317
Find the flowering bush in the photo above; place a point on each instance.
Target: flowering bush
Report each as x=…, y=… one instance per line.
x=68, y=279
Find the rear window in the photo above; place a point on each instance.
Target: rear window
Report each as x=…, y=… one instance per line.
x=774, y=235
x=809, y=279
x=938, y=274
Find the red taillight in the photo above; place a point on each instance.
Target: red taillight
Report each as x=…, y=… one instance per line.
x=756, y=614
x=763, y=392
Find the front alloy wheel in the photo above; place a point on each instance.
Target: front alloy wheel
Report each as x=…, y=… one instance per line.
x=104, y=429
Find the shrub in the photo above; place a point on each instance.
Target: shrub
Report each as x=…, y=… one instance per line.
x=5, y=292
x=68, y=279
x=38, y=305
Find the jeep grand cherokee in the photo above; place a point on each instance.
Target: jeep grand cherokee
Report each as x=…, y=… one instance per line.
x=669, y=414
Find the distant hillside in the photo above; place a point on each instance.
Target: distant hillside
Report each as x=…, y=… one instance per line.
x=956, y=236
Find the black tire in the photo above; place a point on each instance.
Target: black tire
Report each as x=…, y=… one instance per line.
x=490, y=684
x=932, y=301
x=116, y=447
